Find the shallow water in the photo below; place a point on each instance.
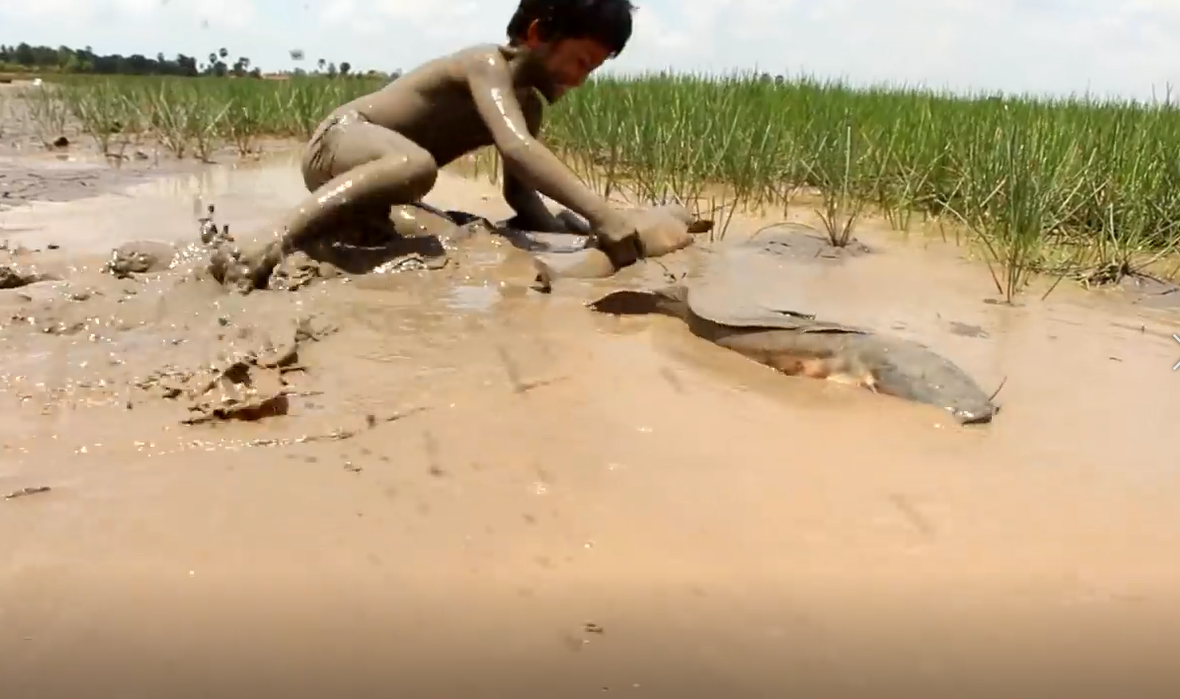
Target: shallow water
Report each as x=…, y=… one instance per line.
x=518, y=468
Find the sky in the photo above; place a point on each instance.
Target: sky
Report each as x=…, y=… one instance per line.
x=1122, y=48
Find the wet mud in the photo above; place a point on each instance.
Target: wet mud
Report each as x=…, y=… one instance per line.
x=20, y=184
x=373, y=480
x=1151, y=292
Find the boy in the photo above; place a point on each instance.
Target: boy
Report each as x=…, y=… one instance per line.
x=385, y=148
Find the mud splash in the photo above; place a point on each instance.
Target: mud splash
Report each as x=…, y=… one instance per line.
x=446, y=454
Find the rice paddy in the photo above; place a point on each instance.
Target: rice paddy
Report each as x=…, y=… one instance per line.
x=1071, y=188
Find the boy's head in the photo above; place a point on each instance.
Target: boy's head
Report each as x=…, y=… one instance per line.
x=571, y=38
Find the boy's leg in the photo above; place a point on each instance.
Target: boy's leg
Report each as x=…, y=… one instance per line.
x=330, y=157
x=357, y=166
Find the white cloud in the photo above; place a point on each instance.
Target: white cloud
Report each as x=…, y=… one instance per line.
x=1125, y=47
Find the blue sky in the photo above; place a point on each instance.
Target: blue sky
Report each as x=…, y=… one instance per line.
x=1124, y=47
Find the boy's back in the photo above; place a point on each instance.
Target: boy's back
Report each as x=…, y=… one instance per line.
x=433, y=105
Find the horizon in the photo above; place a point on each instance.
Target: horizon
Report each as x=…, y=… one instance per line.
x=1037, y=48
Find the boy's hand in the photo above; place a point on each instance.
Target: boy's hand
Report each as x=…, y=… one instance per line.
x=618, y=237
x=663, y=229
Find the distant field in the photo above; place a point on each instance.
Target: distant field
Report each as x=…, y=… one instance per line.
x=1071, y=187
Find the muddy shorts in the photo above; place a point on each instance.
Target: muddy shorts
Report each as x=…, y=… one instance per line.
x=329, y=151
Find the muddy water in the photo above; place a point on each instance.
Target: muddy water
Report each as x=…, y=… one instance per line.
x=478, y=488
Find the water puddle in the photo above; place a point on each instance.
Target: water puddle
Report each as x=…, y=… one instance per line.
x=473, y=298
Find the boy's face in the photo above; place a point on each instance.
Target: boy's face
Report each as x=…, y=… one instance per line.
x=567, y=62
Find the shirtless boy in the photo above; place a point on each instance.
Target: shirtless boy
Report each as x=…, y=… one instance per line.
x=385, y=149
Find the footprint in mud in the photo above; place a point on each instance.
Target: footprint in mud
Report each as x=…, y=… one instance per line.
x=967, y=330
x=956, y=328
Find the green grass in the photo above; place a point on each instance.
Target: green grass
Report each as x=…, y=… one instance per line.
x=1078, y=188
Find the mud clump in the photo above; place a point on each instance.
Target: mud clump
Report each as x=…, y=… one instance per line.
x=298, y=270
x=242, y=389
x=241, y=384
x=225, y=265
x=386, y=254
x=141, y=257
x=14, y=278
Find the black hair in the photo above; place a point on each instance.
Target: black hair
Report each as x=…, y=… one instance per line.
x=606, y=21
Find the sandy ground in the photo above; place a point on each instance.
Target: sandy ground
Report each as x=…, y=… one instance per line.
x=482, y=491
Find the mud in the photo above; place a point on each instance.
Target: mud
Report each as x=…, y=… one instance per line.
x=440, y=482
x=21, y=184
x=1151, y=292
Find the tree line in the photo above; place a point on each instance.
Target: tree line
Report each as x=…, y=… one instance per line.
x=63, y=59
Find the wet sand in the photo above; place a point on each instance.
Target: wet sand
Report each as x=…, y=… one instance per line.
x=479, y=489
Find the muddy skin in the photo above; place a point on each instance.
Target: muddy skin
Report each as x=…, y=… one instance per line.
x=662, y=230
x=385, y=149
x=723, y=307
x=574, y=252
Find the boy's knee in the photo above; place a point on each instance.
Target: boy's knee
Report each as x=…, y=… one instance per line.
x=421, y=175
x=313, y=179
x=313, y=167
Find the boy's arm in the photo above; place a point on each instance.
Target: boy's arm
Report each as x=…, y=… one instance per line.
x=531, y=212
x=534, y=165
